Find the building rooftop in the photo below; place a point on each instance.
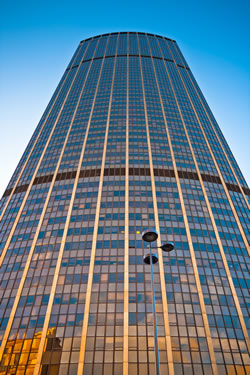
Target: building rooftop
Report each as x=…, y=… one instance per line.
x=127, y=32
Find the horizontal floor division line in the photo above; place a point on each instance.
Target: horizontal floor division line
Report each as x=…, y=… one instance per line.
x=130, y=55
x=121, y=172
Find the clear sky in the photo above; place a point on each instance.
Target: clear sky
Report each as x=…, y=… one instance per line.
x=38, y=38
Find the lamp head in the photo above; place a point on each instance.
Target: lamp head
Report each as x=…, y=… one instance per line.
x=167, y=247
x=146, y=258
x=149, y=235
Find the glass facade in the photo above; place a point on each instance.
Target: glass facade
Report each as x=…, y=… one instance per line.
x=126, y=143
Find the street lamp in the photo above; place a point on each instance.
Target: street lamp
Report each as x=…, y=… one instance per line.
x=150, y=235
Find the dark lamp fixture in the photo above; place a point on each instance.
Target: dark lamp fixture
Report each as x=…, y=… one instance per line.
x=168, y=246
x=149, y=235
x=147, y=258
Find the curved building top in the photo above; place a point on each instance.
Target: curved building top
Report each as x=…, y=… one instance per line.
x=130, y=33
x=132, y=44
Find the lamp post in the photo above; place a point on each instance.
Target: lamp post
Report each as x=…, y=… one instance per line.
x=150, y=235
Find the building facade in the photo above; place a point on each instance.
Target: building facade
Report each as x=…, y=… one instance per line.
x=126, y=143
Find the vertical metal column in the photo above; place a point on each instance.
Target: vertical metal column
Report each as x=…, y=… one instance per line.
x=156, y=347
x=161, y=267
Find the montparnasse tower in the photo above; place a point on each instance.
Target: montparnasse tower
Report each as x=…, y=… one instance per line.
x=126, y=143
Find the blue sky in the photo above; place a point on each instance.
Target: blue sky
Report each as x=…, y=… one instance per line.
x=38, y=38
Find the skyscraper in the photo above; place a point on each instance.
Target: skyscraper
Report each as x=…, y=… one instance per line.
x=126, y=143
